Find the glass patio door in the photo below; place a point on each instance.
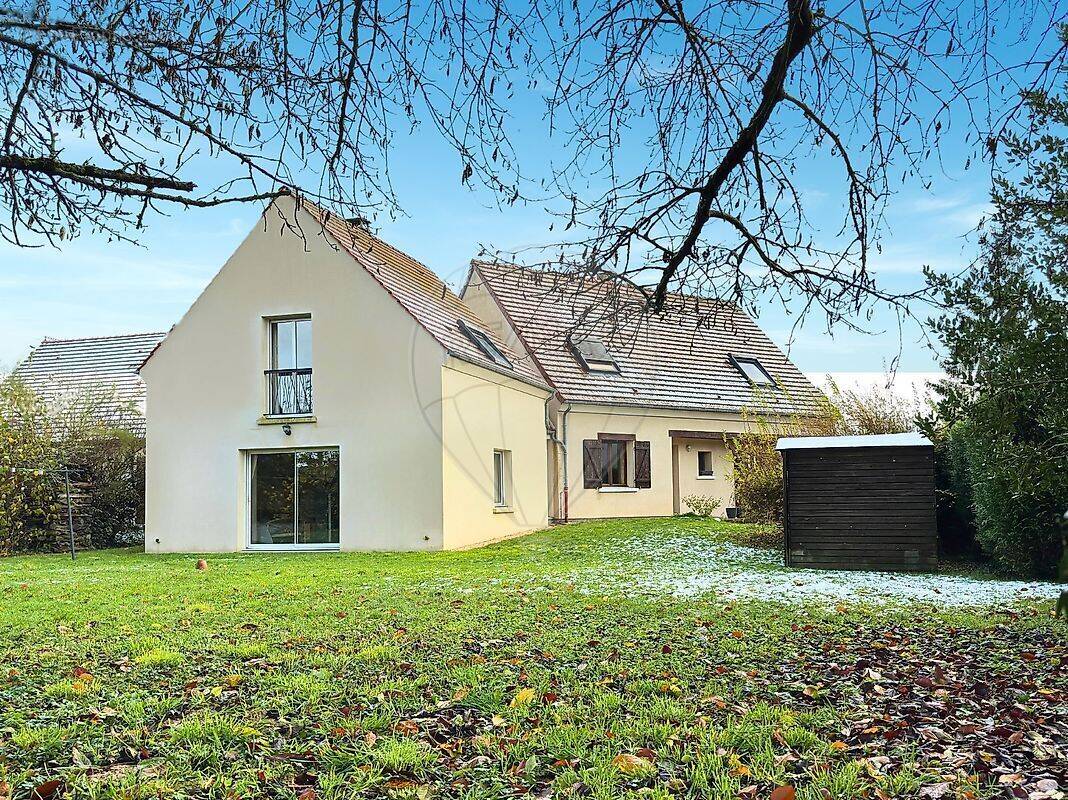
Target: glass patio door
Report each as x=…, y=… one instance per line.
x=294, y=499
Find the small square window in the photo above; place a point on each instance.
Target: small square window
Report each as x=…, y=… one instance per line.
x=753, y=371
x=502, y=478
x=705, y=468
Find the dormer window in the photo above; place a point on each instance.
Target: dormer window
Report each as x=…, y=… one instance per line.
x=753, y=371
x=482, y=341
x=593, y=355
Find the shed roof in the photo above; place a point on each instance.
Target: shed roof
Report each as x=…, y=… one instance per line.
x=101, y=364
x=825, y=442
x=679, y=359
x=423, y=295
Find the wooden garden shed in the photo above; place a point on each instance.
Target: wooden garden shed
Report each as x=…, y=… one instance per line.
x=860, y=502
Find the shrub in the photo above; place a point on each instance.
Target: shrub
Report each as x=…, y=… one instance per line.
x=1017, y=501
x=28, y=491
x=953, y=493
x=113, y=465
x=702, y=505
x=37, y=438
x=757, y=470
x=757, y=465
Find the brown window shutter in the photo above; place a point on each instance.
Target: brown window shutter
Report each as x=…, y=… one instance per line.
x=643, y=470
x=591, y=464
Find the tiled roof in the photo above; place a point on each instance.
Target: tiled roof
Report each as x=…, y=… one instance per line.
x=422, y=293
x=103, y=365
x=679, y=359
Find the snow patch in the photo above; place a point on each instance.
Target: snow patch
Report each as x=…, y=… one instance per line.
x=689, y=566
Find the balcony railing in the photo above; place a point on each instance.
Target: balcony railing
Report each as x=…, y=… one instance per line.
x=289, y=391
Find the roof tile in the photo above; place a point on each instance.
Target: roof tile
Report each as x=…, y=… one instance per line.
x=106, y=364
x=422, y=293
x=678, y=359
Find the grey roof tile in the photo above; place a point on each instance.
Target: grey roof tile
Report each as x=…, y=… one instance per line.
x=103, y=364
x=679, y=359
x=422, y=294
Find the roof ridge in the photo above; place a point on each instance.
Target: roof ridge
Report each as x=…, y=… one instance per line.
x=367, y=232
x=400, y=275
x=566, y=276
x=103, y=337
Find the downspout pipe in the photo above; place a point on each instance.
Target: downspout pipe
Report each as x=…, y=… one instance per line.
x=561, y=443
x=563, y=448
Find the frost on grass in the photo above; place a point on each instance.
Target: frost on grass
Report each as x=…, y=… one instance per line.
x=686, y=565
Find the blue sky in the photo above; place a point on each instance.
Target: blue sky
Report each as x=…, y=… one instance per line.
x=91, y=287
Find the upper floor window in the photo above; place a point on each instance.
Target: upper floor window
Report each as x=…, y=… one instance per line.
x=593, y=355
x=483, y=342
x=754, y=371
x=289, y=380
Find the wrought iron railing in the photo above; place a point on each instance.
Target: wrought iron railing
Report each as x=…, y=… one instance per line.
x=289, y=391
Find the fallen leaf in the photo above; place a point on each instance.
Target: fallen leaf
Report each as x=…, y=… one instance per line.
x=524, y=697
x=783, y=793
x=46, y=790
x=935, y=790
x=630, y=764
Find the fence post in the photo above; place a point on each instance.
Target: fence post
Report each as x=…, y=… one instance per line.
x=70, y=512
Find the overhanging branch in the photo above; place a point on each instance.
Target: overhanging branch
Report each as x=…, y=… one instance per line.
x=799, y=32
x=89, y=172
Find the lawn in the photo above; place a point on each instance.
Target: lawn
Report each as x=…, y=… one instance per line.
x=554, y=665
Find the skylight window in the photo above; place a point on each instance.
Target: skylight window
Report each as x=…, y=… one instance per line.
x=593, y=355
x=485, y=344
x=754, y=371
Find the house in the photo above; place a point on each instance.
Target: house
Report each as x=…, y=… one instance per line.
x=102, y=368
x=642, y=404
x=327, y=391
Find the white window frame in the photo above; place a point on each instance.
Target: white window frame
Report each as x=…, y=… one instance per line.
x=271, y=322
x=711, y=457
x=285, y=548
x=768, y=381
x=502, y=493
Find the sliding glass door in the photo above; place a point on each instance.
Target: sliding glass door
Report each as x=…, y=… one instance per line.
x=294, y=499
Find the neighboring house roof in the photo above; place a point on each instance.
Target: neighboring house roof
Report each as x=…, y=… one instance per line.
x=106, y=365
x=423, y=295
x=681, y=359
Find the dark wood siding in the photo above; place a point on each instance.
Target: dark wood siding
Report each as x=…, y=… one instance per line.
x=861, y=508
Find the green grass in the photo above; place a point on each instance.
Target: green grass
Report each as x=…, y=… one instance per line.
x=523, y=668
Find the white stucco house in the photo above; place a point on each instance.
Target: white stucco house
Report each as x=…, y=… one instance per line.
x=327, y=391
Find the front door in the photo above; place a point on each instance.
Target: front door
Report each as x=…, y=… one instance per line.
x=294, y=500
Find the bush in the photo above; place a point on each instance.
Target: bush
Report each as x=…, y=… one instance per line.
x=757, y=470
x=702, y=505
x=113, y=465
x=1017, y=502
x=757, y=465
x=28, y=490
x=37, y=439
x=953, y=493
